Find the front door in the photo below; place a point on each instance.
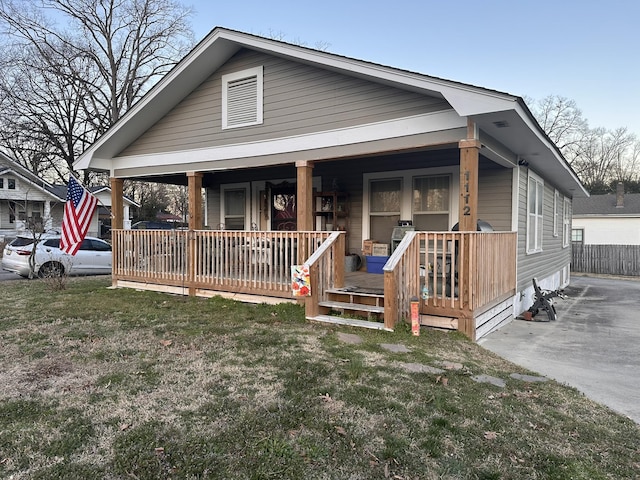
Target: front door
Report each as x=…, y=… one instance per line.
x=283, y=208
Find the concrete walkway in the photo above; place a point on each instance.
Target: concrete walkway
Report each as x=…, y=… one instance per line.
x=594, y=345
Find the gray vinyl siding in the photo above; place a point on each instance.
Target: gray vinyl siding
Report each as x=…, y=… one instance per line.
x=298, y=99
x=554, y=257
x=494, y=195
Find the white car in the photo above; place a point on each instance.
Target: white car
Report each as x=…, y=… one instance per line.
x=93, y=257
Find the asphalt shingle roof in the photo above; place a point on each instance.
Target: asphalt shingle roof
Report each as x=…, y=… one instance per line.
x=606, y=205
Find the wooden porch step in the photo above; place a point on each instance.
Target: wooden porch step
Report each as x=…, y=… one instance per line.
x=355, y=293
x=371, y=302
x=351, y=322
x=360, y=307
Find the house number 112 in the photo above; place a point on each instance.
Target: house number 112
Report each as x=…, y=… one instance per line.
x=466, y=210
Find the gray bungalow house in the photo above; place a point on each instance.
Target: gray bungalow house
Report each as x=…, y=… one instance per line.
x=294, y=156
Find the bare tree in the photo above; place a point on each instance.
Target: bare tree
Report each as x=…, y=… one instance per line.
x=600, y=157
x=66, y=86
x=562, y=121
x=606, y=156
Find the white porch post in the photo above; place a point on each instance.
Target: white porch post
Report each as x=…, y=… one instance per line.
x=126, y=219
x=48, y=221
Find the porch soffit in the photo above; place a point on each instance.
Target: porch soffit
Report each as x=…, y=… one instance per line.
x=332, y=152
x=409, y=132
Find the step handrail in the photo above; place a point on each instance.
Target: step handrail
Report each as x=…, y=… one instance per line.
x=328, y=259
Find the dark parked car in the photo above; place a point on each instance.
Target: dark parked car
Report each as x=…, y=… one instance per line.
x=149, y=225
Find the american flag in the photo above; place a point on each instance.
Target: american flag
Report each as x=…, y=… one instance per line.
x=78, y=212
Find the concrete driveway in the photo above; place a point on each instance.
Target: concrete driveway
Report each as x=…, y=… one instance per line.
x=594, y=345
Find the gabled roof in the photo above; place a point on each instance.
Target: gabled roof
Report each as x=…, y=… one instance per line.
x=501, y=116
x=605, y=205
x=10, y=166
x=61, y=191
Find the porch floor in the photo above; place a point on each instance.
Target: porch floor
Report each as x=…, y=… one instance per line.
x=367, y=282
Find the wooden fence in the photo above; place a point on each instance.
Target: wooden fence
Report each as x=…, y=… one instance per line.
x=606, y=259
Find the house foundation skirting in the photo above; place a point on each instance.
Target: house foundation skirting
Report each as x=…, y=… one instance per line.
x=496, y=317
x=202, y=292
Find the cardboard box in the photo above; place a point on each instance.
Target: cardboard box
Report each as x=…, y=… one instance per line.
x=380, y=249
x=367, y=247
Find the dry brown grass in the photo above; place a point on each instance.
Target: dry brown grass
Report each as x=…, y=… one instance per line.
x=121, y=384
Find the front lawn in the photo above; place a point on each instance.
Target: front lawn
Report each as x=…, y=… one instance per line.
x=123, y=384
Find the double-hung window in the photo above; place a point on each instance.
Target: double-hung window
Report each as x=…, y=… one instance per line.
x=566, y=222
x=242, y=98
x=384, y=207
x=234, y=209
x=577, y=236
x=557, y=212
x=431, y=203
x=535, y=202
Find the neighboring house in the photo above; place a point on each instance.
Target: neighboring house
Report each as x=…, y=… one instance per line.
x=26, y=201
x=286, y=140
x=605, y=233
x=612, y=219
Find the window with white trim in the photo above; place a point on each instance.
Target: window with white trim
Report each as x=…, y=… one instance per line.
x=11, y=183
x=556, y=212
x=384, y=207
x=535, y=202
x=234, y=208
x=431, y=201
x=1, y=182
x=566, y=222
x=242, y=98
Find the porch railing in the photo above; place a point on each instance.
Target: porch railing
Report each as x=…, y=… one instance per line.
x=234, y=261
x=463, y=271
x=326, y=270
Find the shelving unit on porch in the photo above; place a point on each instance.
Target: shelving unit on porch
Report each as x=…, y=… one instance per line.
x=331, y=211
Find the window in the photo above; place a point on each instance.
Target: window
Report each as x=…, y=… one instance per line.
x=384, y=207
x=535, y=202
x=234, y=209
x=577, y=235
x=1, y=182
x=11, y=183
x=95, y=245
x=242, y=98
x=566, y=222
x=556, y=212
x=431, y=199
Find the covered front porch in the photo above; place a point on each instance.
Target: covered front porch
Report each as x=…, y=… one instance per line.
x=467, y=273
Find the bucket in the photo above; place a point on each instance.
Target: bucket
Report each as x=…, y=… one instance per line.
x=352, y=262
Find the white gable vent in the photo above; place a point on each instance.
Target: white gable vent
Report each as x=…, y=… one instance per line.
x=242, y=98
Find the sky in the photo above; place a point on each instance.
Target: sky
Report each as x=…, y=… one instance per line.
x=584, y=50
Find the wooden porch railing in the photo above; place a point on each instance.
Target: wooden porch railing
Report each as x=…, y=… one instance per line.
x=464, y=272
x=326, y=270
x=248, y=262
